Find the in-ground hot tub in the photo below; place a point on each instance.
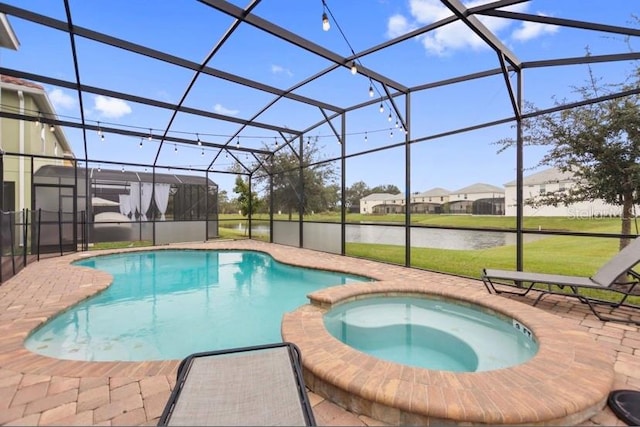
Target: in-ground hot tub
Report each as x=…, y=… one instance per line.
x=431, y=333
x=564, y=383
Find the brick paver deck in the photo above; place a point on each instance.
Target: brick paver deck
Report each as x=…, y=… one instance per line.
x=38, y=390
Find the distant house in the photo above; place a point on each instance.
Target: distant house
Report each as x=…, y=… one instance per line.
x=382, y=203
x=430, y=201
x=551, y=180
x=477, y=199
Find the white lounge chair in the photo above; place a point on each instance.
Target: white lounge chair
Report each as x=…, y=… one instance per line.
x=605, y=279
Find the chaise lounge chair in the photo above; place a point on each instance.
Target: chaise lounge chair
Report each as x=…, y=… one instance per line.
x=605, y=279
x=249, y=386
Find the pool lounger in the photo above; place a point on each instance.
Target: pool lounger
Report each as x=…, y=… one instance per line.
x=259, y=385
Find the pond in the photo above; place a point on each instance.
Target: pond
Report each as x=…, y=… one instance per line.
x=436, y=238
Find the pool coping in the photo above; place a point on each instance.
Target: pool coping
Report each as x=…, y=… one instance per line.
x=51, y=285
x=565, y=383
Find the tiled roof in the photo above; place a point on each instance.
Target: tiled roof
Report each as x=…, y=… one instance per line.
x=434, y=192
x=20, y=82
x=382, y=196
x=479, y=188
x=544, y=177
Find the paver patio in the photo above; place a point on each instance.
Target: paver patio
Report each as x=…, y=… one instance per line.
x=38, y=390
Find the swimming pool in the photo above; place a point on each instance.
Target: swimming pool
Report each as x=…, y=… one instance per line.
x=167, y=304
x=431, y=333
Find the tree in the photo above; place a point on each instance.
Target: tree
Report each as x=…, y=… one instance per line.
x=387, y=188
x=317, y=190
x=247, y=201
x=599, y=143
x=225, y=205
x=354, y=193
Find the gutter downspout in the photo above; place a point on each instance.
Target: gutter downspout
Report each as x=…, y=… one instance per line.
x=21, y=132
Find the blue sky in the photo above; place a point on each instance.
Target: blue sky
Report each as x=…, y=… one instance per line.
x=190, y=29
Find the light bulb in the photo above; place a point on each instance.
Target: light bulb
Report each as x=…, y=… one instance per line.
x=354, y=69
x=366, y=138
x=202, y=152
x=370, y=91
x=389, y=118
x=149, y=138
x=140, y=142
x=381, y=108
x=175, y=148
x=102, y=137
x=397, y=123
x=52, y=128
x=325, y=22
x=199, y=142
x=391, y=134
x=98, y=168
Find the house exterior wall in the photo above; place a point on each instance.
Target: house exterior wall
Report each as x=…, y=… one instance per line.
x=25, y=137
x=579, y=209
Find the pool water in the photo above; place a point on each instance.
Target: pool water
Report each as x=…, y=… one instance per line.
x=168, y=304
x=431, y=333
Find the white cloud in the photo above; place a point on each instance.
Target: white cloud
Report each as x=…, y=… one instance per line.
x=218, y=108
x=111, y=107
x=455, y=36
x=531, y=30
x=277, y=69
x=397, y=26
x=60, y=100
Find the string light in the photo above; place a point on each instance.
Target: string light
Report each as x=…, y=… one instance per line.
x=397, y=124
x=354, y=69
x=175, y=148
x=381, y=107
x=123, y=169
x=238, y=143
x=370, y=91
x=326, y=25
x=98, y=168
x=276, y=139
x=391, y=134
x=37, y=122
x=52, y=128
x=100, y=132
x=199, y=142
x=389, y=118
x=141, y=139
x=150, y=135
x=202, y=152
x=366, y=137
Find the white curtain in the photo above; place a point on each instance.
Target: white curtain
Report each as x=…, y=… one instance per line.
x=125, y=207
x=134, y=198
x=162, y=198
x=146, y=193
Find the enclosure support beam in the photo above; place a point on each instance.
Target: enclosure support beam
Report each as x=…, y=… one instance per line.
x=343, y=186
x=407, y=192
x=250, y=213
x=519, y=178
x=301, y=193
